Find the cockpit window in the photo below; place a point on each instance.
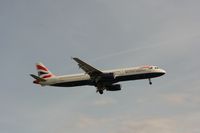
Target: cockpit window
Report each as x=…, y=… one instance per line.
x=156, y=67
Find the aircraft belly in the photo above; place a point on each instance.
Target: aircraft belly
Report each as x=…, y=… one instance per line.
x=73, y=83
x=138, y=76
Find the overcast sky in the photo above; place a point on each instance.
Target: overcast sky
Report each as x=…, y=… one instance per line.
x=107, y=34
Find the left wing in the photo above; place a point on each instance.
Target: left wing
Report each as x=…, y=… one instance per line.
x=91, y=71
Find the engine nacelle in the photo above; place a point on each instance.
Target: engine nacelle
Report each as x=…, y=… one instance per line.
x=115, y=87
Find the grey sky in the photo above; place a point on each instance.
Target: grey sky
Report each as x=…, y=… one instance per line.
x=107, y=34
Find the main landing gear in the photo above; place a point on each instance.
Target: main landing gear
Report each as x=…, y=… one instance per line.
x=101, y=92
x=100, y=88
x=150, y=82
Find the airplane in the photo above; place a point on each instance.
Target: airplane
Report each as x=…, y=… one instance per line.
x=102, y=80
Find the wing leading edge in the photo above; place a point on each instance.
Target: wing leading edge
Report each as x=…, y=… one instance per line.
x=91, y=71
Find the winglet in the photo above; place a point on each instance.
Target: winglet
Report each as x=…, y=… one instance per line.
x=76, y=59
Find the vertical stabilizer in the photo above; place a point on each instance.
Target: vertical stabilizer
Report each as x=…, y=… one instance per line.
x=43, y=71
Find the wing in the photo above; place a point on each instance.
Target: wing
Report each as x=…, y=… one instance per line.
x=91, y=71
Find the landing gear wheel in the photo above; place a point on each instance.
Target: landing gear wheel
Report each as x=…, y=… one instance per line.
x=101, y=92
x=150, y=82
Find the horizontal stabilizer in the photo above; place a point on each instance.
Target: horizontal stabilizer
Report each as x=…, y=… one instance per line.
x=37, y=78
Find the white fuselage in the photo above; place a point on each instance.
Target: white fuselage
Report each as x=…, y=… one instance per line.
x=124, y=74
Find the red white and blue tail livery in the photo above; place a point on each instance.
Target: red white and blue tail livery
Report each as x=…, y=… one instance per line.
x=43, y=71
x=43, y=74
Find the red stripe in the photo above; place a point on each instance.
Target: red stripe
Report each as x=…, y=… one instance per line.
x=146, y=66
x=47, y=76
x=41, y=67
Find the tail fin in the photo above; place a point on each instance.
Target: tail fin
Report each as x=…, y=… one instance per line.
x=43, y=71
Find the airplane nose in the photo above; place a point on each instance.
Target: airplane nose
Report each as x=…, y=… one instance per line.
x=163, y=71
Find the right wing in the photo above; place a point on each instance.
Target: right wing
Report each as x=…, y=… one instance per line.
x=91, y=71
